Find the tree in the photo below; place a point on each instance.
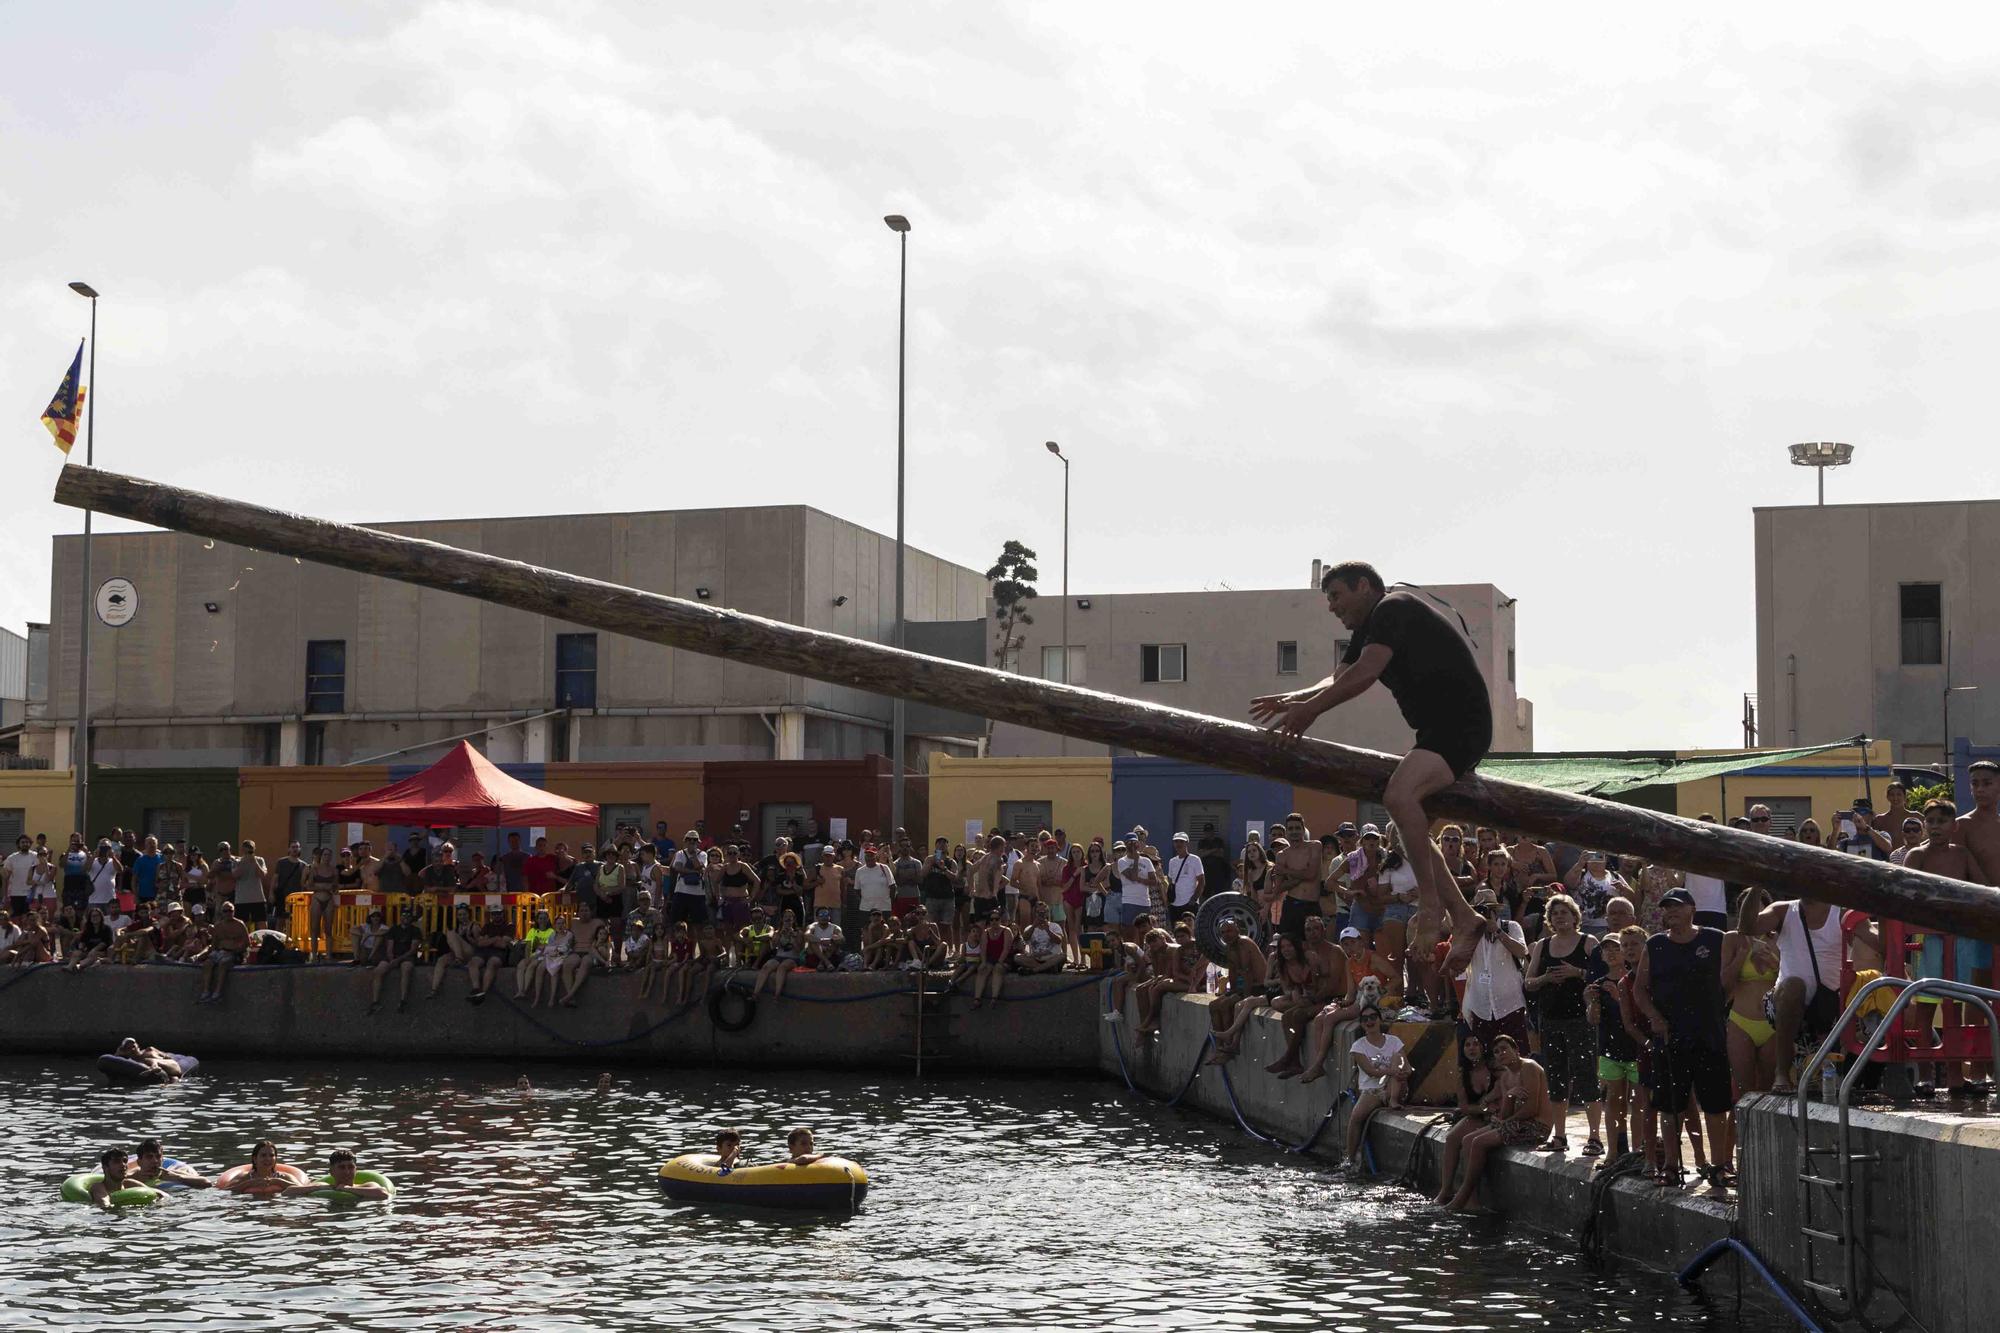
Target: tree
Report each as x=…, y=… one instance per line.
x=1013, y=578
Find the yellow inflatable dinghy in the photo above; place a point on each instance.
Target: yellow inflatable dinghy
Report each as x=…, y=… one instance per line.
x=832, y=1184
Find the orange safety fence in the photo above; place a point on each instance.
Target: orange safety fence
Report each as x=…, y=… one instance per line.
x=435, y=912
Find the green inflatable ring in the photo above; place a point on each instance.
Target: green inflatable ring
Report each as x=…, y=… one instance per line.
x=329, y=1190
x=77, y=1188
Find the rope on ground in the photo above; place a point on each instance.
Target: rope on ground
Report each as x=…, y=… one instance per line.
x=1590, y=1236
x=1729, y=1245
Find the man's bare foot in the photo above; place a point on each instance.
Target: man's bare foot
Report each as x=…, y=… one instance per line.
x=1313, y=1075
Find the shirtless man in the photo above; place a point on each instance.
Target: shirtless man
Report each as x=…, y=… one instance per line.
x=1024, y=884
x=1328, y=986
x=1247, y=969
x=230, y=944
x=1978, y=832
x=340, y=1175
x=1296, y=871
x=111, y=1169
x=151, y=1056
x=1520, y=1120
x=148, y=1167
x=1403, y=641
x=1532, y=863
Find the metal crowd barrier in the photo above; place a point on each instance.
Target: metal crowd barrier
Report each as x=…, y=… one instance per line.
x=435, y=911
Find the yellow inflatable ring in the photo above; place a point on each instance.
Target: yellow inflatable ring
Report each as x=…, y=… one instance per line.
x=832, y=1184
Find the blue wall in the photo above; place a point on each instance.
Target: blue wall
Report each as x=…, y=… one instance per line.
x=1143, y=791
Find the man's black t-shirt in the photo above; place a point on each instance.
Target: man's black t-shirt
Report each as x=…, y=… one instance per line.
x=1686, y=981
x=401, y=940
x=1431, y=672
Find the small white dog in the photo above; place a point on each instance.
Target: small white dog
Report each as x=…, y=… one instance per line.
x=1368, y=993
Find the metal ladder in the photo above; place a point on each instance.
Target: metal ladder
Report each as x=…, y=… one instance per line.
x=1836, y=1179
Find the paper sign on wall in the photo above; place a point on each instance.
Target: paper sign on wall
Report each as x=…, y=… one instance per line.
x=536, y=832
x=837, y=829
x=975, y=830
x=1253, y=831
x=353, y=834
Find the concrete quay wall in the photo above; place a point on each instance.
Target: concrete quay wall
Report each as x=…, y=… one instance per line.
x=844, y=1020
x=1923, y=1197
x=1659, y=1228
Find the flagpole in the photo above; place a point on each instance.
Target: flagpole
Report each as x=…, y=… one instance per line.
x=81, y=747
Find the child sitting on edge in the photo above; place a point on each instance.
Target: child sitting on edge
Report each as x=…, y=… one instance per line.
x=549, y=969
x=636, y=949
x=676, y=952
x=698, y=973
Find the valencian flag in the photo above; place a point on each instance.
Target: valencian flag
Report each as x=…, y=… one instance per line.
x=65, y=411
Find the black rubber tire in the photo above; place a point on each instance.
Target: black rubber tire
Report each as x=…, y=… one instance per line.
x=1209, y=917
x=717, y=1008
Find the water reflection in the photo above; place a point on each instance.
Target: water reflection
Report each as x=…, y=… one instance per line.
x=996, y=1205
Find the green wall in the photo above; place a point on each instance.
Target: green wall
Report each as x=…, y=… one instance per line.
x=120, y=798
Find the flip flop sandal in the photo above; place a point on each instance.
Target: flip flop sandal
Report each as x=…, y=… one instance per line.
x=1593, y=1149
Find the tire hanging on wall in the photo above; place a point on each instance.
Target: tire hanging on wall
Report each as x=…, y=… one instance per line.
x=718, y=1007
x=1215, y=909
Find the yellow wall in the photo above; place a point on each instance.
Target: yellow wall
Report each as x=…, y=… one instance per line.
x=1830, y=779
x=267, y=796
x=1323, y=810
x=1078, y=792
x=47, y=799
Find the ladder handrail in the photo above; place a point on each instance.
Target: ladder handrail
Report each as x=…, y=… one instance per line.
x=1907, y=990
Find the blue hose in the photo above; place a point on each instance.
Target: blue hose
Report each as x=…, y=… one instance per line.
x=1700, y=1263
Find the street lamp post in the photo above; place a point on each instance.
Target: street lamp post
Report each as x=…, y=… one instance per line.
x=901, y=226
x=1820, y=456
x=80, y=746
x=1056, y=449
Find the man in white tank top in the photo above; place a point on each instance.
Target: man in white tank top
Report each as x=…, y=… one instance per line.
x=1811, y=956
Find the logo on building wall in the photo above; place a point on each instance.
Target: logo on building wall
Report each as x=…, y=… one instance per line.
x=117, y=601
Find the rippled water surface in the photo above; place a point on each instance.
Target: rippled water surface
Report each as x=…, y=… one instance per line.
x=995, y=1205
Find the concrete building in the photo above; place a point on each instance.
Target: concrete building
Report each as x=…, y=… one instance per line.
x=1874, y=620
x=1212, y=652
x=235, y=657
x=13, y=690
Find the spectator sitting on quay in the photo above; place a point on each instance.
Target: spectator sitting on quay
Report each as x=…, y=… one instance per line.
x=925, y=948
x=1478, y=1095
x=93, y=941
x=1326, y=992
x=654, y=967
x=996, y=943
x=532, y=944
x=492, y=947
x=1163, y=978
x=1520, y=1119
x=825, y=944
x=33, y=943
x=1382, y=1070
x=550, y=963
x=635, y=949
x=139, y=940
x=881, y=942
x=1245, y=991
x=787, y=945
x=1040, y=947
x=399, y=955
x=366, y=938
x=586, y=946
x=227, y=947
x=676, y=953
x=195, y=941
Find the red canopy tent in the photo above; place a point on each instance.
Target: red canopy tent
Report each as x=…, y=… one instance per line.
x=462, y=790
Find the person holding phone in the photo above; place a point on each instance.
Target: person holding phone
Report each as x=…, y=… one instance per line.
x=1858, y=834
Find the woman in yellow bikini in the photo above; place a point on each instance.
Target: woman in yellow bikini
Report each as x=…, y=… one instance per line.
x=1750, y=969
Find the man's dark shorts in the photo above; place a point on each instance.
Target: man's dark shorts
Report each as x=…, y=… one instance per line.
x=1295, y=912
x=254, y=913
x=1686, y=1067
x=690, y=907
x=1461, y=745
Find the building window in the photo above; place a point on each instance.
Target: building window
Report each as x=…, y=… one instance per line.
x=1162, y=662
x=576, y=671
x=1923, y=624
x=633, y=823
x=1052, y=664
x=307, y=831
x=1288, y=658
x=1203, y=819
x=315, y=744
x=1510, y=666
x=326, y=676
x=1029, y=817
x=169, y=826
x=13, y=823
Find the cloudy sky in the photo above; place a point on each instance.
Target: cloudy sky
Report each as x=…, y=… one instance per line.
x=1529, y=297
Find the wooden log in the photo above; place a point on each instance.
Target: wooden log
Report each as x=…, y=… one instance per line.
x=1788, y=869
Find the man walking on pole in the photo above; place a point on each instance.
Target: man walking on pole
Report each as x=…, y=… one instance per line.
x=1403, y=641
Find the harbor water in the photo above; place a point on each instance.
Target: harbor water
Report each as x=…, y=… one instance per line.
x=996, y=1204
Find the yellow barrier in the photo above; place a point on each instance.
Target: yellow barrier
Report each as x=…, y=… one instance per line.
x=435, y=912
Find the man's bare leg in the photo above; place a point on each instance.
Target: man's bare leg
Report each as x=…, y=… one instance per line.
x=1421, y=775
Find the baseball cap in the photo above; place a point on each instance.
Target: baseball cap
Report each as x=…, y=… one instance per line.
x=1350, y=933
x=1370, y=831
x=1677, y=898
x=1347, y=829
x=1180, y=837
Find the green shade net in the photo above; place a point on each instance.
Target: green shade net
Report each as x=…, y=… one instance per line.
x=1613, y=777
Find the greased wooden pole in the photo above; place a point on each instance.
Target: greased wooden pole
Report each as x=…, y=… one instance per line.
x=1788, y=869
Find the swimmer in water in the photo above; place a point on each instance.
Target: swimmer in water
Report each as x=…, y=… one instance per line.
x=728, y=1150
x=111, y=1165
x=522, y=1086
x=800, y=1144
x=152, y=1057
x=340, y=1176
x=263, y=1169
x=148, y=1167
x=603, y=1084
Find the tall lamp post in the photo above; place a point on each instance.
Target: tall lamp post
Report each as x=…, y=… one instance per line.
x=901, y=226
x=80, y=747
x=1820, y=456
x=1056, y=449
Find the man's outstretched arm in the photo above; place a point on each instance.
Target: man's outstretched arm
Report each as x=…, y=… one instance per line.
x=1292, y=713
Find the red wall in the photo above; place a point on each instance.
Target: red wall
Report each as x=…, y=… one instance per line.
x=856, y=790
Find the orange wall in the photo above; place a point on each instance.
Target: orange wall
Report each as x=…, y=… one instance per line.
x=1324, y=811
x=268, y=796
x=673, y=791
